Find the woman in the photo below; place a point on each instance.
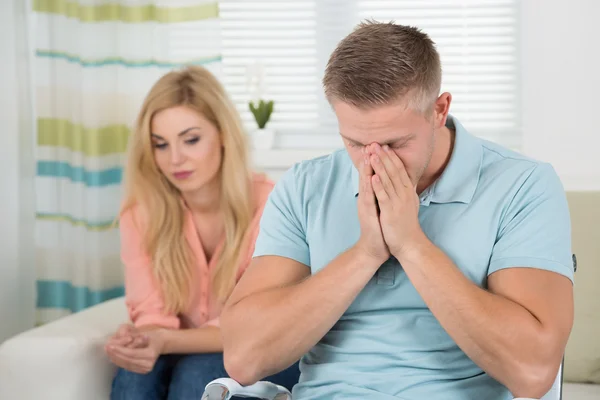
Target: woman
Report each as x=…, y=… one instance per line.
x=188, y=226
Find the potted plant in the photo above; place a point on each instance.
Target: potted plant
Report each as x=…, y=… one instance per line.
x=263, y=137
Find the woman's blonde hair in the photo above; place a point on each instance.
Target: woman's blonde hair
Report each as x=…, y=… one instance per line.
x=159, y=202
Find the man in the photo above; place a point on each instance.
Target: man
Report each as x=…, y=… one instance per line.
x=419, y=263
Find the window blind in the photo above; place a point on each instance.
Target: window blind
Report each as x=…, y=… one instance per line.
x=478, y=45
x=292, y=40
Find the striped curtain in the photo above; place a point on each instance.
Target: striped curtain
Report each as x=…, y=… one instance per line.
x=95, y=61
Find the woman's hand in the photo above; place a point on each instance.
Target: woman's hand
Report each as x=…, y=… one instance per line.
x=128, y=336
x=135, y=350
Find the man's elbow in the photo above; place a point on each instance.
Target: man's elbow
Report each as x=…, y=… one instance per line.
x=241, y=363
x=241, y=367
x=534, y=381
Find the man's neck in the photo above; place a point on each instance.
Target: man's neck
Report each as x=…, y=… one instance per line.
x=442, y=151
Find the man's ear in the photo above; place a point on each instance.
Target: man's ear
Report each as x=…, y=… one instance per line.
x=441, y=109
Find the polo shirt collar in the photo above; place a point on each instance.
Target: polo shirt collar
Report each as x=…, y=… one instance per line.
x=459, y=180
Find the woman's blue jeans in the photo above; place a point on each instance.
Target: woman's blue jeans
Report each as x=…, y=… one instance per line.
x=182, y=377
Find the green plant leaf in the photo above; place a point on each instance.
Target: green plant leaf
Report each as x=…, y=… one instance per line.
x=262, y=112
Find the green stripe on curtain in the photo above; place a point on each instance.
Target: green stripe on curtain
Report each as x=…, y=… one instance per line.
x=62, y=294
x=90, y=226
x=92, y=142
x=101, y=62
x=123, y=13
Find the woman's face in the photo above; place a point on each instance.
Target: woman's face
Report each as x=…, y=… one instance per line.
x=187, y=147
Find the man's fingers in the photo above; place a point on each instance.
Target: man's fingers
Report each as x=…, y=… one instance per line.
x=395, y=163
x=393, y=174
x=367, y=195
x=365, y=171
x=380, y=192
x=383, y=174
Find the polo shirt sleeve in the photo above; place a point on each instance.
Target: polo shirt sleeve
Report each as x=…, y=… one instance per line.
x=282, y=226
x=535, y=230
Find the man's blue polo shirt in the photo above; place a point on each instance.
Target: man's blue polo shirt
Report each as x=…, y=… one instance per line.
x=490, y=209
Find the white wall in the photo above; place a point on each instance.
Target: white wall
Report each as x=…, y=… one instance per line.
x=17, y=296
x=561, y=84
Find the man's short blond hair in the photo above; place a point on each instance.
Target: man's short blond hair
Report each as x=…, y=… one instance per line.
x=379, y=63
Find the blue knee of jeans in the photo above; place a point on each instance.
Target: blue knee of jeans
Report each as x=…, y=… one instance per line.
x=129, y=385
x=193, y=372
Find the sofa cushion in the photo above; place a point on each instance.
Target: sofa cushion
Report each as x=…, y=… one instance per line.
x=579, y=391
x=582, y=358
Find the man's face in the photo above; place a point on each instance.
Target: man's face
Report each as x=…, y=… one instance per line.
x=408, y=133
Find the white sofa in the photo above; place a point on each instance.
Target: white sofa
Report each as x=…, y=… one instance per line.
x=64, y=360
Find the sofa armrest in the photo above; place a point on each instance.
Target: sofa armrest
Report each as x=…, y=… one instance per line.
x=63, y=359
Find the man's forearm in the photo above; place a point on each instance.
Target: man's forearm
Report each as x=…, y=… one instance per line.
x=189, y=341
x=499, y=335
x=270, y=330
